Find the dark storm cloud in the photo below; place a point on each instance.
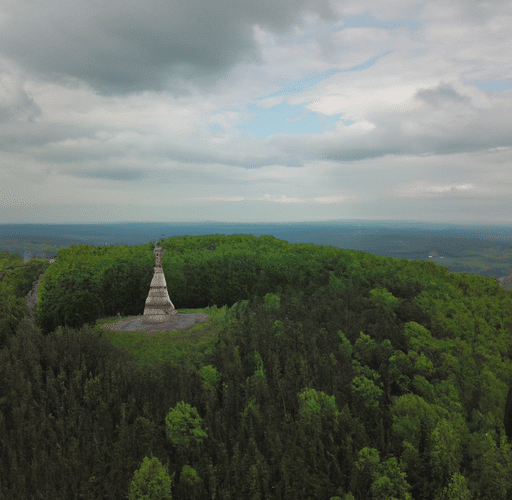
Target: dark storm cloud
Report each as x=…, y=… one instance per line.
x=122, y=46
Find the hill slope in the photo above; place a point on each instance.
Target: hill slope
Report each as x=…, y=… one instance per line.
x=327, y=373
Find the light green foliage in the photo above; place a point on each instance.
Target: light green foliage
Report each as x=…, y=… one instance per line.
x=278, y=328
x=345, y=346
x=384, y=299
x=316, y=407
x=446, y=446
x=366, y=391
x=317, y=403
x=448, y=394
x=491, y=465
x=423, y=365
x=189, y=480
x=381, y=480
x=258, y=361
x=256, y=384
x=367, y=459
x=210, y=377
x=457, y=489
x=150, y=482
x=389, y=482
x=412, y=415
x=272, y=301
x=251, y=409
x=422, y=387
x=401, y=369
x=364, y=348
x=183, y=426
x=419, y=338
x=238, y=307
x=364, y=471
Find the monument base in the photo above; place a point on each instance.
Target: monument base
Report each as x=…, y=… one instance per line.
x=158, y=304
x=157, y=315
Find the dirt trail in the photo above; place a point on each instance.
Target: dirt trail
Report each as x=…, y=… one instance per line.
x=31, y=297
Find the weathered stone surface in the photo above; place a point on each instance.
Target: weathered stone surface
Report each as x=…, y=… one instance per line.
x=179, y=321
x=158, y=304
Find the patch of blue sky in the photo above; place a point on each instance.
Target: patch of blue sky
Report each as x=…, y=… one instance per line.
x=293, y=86
x=288, y=119
x=492, y=85
x=216, y=130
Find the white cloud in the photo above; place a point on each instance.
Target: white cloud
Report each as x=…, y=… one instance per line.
x=108, y=115
x=331, y=199
x=423, y=189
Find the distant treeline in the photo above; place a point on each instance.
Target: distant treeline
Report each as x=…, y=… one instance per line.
x=333, y=374
x=476, y=249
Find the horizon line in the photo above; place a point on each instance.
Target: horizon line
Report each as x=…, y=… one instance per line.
x=323, y=221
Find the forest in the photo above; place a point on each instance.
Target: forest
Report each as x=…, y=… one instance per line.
x=321, y=373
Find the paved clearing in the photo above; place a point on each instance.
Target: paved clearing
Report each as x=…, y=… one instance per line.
x=179, y=321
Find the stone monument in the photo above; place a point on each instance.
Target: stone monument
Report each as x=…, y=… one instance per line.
x=158, y=304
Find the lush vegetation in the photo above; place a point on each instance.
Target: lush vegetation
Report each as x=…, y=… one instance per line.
x=182, y=346
x=17, y=278
x=324, y=373
x=86, y=283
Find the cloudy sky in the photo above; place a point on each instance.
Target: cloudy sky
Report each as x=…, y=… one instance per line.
x=255, y=111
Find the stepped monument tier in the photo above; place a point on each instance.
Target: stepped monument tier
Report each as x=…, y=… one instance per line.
x=158, y=304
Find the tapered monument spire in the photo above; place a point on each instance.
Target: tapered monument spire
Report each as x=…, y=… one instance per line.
x=158, y=304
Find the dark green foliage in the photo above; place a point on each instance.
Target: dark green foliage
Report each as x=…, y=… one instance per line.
x=77, y=417
x=17, y=278
x=86, y=283
x=336, y=374
x=508, y=414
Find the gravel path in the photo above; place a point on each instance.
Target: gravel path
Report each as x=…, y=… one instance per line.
x=179, y=321
x=31, y=297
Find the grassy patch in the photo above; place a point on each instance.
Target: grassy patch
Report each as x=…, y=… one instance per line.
x=173, y=346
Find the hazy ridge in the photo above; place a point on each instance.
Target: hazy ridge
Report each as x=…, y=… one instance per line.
x=485, y=250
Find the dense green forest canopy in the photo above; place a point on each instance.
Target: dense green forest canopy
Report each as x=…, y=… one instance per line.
x=322, y=373
x=17, y=278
